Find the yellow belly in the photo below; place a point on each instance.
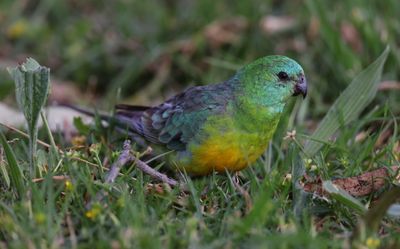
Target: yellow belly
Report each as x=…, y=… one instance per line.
x=230, y=152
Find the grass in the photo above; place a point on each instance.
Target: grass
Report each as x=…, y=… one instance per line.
x=158, y=47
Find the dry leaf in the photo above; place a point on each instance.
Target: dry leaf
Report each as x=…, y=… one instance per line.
x=187, y=46
x=362, y=136
x=356, y=186
x=297, y=45
x=276, y=24
x=223, y=32
x=389, y=85
x=351, y=36
x=313, y=28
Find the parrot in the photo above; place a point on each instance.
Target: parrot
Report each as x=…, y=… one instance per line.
x=218, y=127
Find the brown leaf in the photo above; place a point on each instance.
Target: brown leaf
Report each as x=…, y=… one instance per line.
x=362, y=136
x=275, y=24
x=313, y=29
x=389, y=85
x=222, y=32
x=351, y=36
x=297, y=45
x=187, y=46
x=357, y=186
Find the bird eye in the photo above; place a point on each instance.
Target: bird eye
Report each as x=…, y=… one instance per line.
x=283, y=76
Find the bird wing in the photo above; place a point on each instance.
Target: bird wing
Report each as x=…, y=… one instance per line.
x=175, y=122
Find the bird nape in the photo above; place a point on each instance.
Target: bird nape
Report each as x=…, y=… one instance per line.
x=218, y=127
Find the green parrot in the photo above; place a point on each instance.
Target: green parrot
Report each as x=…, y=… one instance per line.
x=218, y=127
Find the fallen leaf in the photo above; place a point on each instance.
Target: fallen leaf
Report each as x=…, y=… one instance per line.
x=356, y=186
x=187, y=46
x=351, y=36
x=389, y=85
x=222, y=32
x=313, y=29
x=275, y=24
x=297, y=45
x=361, y=136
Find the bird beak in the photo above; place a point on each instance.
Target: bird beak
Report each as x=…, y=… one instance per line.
x=301, y=87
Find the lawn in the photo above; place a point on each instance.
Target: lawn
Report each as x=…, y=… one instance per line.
x=297, y=195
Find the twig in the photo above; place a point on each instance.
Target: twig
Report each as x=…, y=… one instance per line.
x=360, y=185
x=154, y=173
x=124, y=158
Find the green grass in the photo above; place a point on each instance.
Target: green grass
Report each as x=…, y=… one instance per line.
x=118, y=46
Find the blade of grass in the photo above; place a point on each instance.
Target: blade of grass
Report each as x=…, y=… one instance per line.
x=3, y=170
x=343, y=197
x=53, y=149
x=298, y=171
x=15, y=172
x=350, y=103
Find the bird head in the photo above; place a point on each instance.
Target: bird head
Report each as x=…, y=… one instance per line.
x=274, y=79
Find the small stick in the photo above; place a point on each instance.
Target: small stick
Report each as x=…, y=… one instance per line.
x=154, y=173
x=123, y=159
x=126, y=158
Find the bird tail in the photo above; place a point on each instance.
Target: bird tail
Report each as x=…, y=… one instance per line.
x=102, y=116
x=126, y=120
x=126, y=117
